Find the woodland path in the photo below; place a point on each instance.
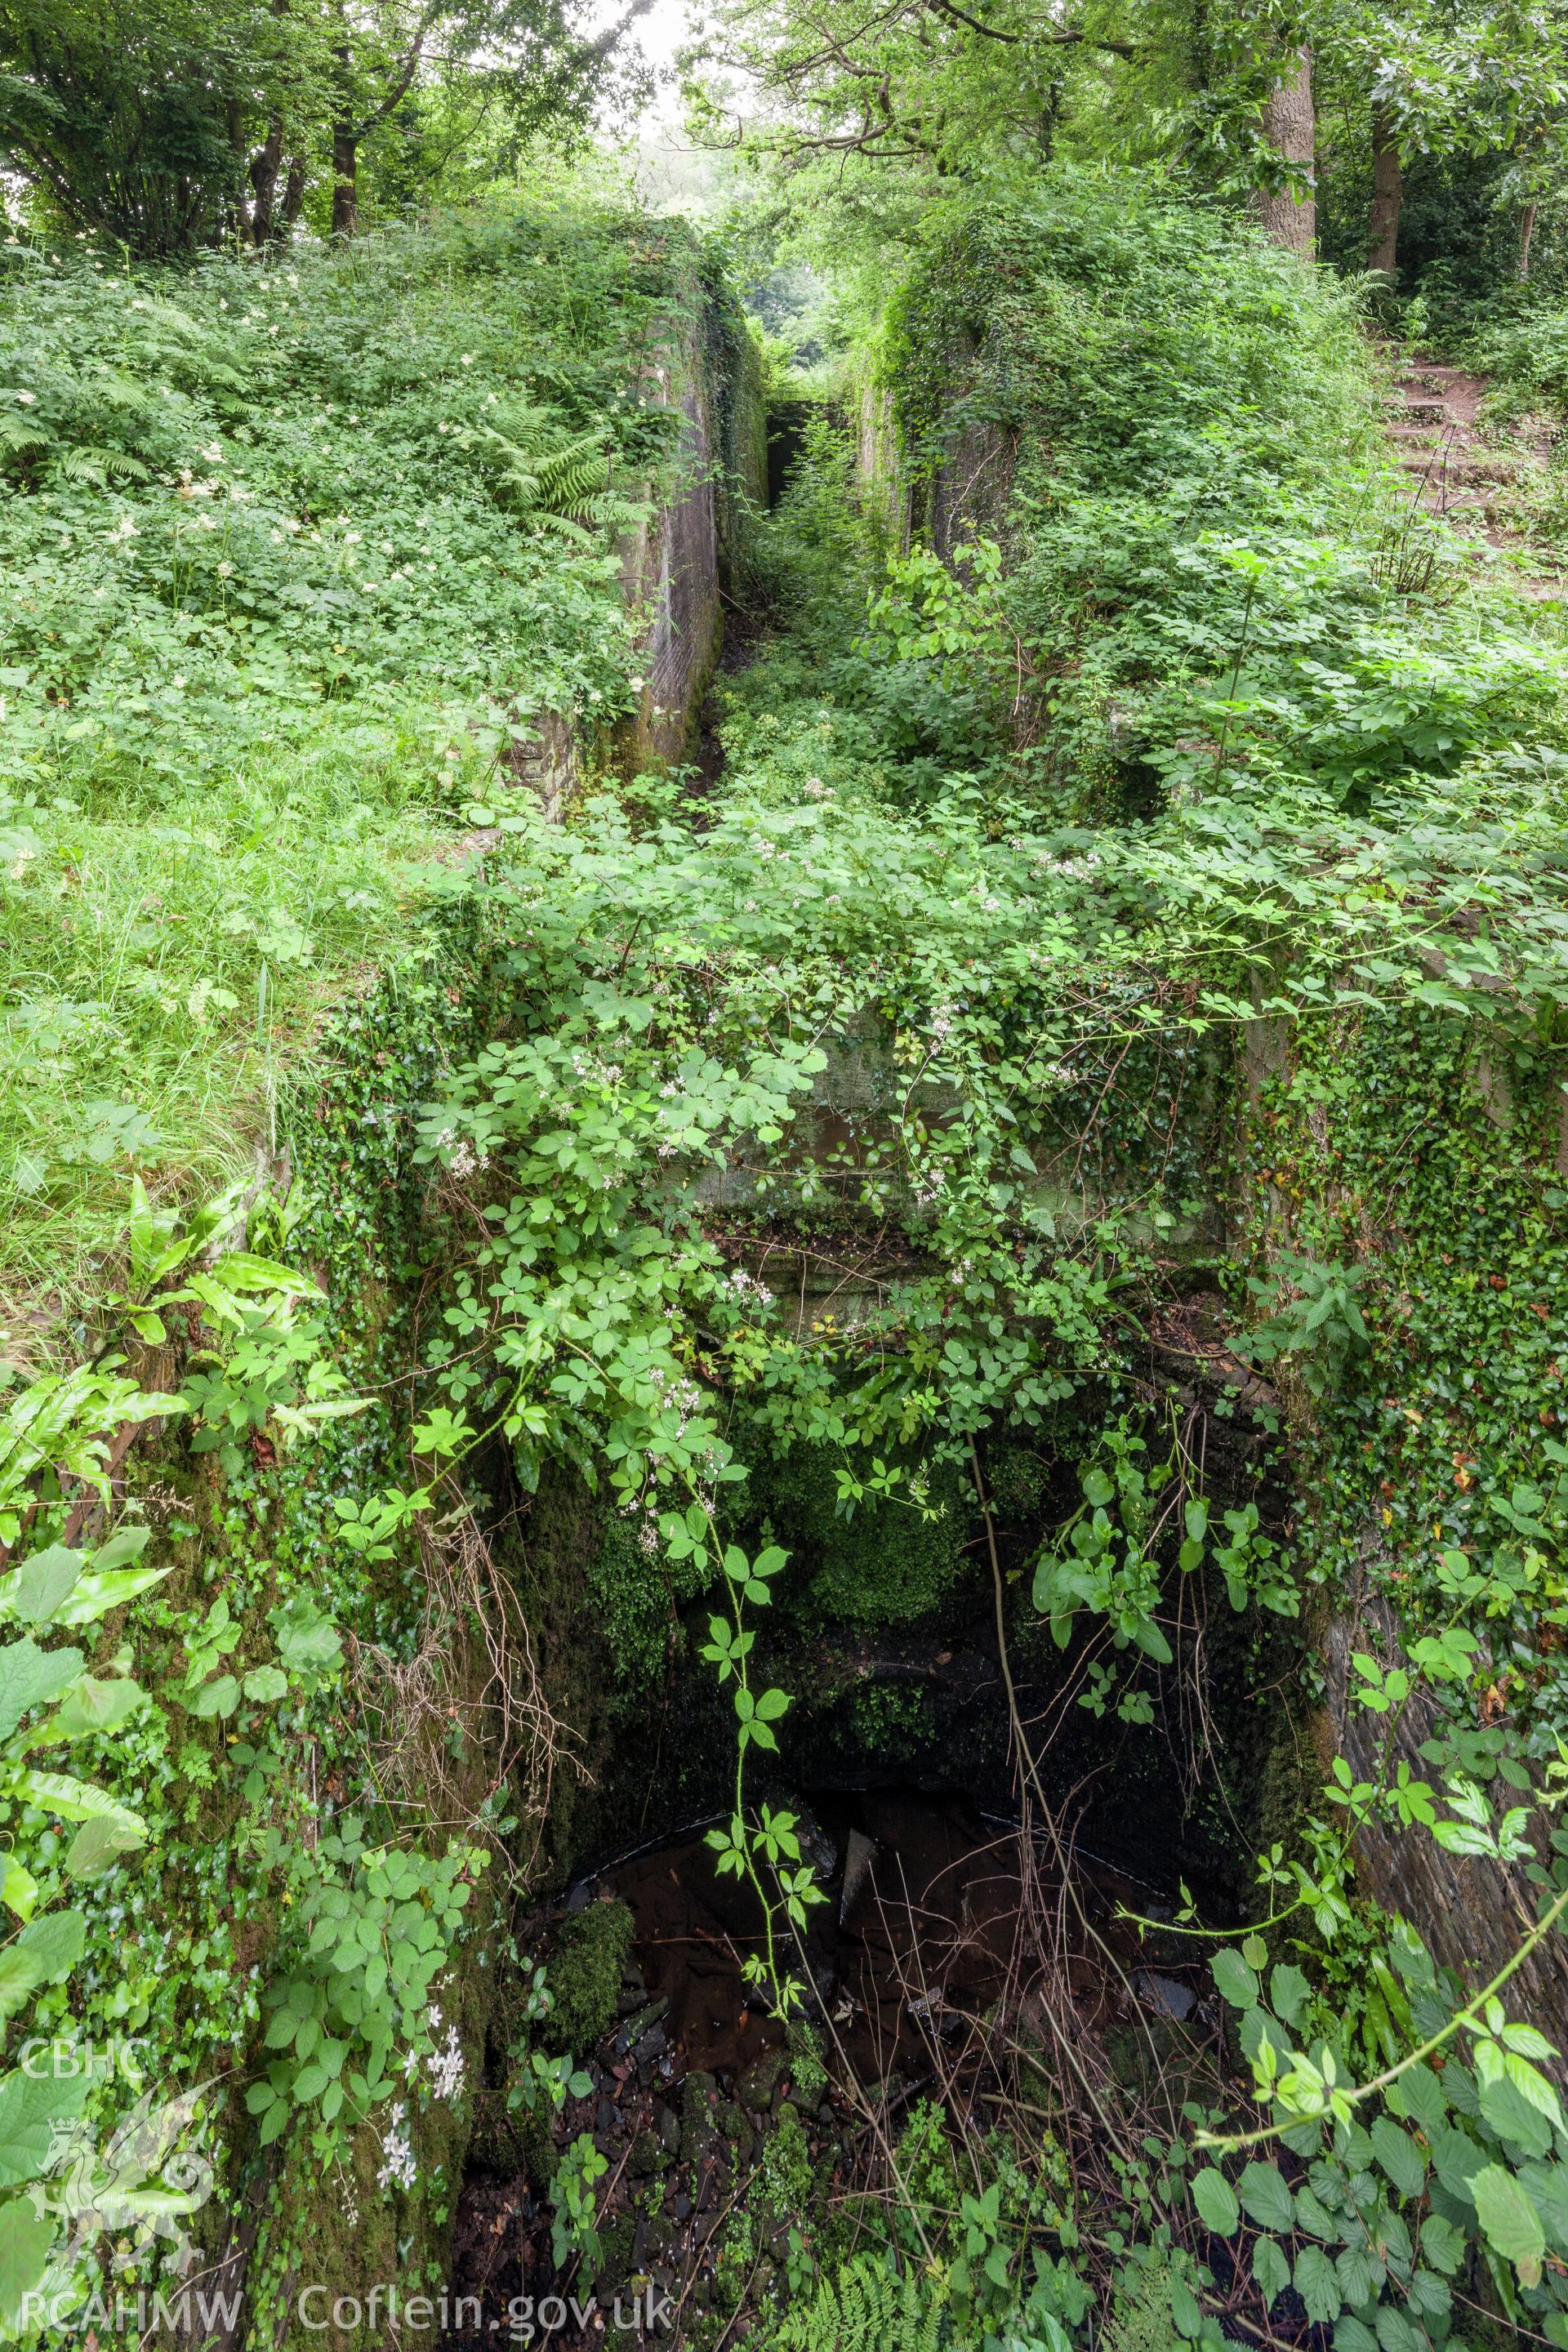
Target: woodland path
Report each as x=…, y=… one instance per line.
x=1477, y=476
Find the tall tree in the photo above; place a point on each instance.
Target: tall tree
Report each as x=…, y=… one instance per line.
x=933, y=83
x=1387, y=194
x=1287, y=203
x=132, y=120
x=533, y=54
x=169, y=123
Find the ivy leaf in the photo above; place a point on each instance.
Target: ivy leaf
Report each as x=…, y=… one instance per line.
x=1217, y=2202
x=308, y=1642
x=1512, y=2226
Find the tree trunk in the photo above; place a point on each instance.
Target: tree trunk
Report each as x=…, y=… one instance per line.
x=1289, y=128
x=294, y=191
x=240, y=221
x=264, y=169
x=1387, y=191
x=1526, y=231
x=1200, y=48
x=345, y=180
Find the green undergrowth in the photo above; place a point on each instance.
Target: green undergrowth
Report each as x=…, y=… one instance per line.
x=1231, y=769
x=969, y=974
x=291, y=549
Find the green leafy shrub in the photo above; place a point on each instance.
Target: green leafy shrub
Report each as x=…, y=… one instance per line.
x=271, y=609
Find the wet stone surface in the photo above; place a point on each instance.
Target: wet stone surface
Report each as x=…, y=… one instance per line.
x=719, y=2136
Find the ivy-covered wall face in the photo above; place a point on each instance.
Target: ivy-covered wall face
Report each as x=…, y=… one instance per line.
x=1422, y=1158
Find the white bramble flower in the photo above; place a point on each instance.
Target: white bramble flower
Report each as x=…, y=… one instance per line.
x=28, y=399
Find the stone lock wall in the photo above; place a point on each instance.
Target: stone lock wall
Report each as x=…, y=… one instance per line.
x=686, y=555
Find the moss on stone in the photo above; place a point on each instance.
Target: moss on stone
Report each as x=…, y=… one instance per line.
x=786, y=2184
x=882, y=1567
x=583, y=1974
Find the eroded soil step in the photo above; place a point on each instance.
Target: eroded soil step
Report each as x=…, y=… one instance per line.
x=1470, y=473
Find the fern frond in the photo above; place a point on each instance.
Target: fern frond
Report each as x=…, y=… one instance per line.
x=120, y=392
x=561, y=484
x=1143, y=2320
x=565, y=527
x=96, y=465
x=569, y=476
x=867, y=2307
x=15, y=433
